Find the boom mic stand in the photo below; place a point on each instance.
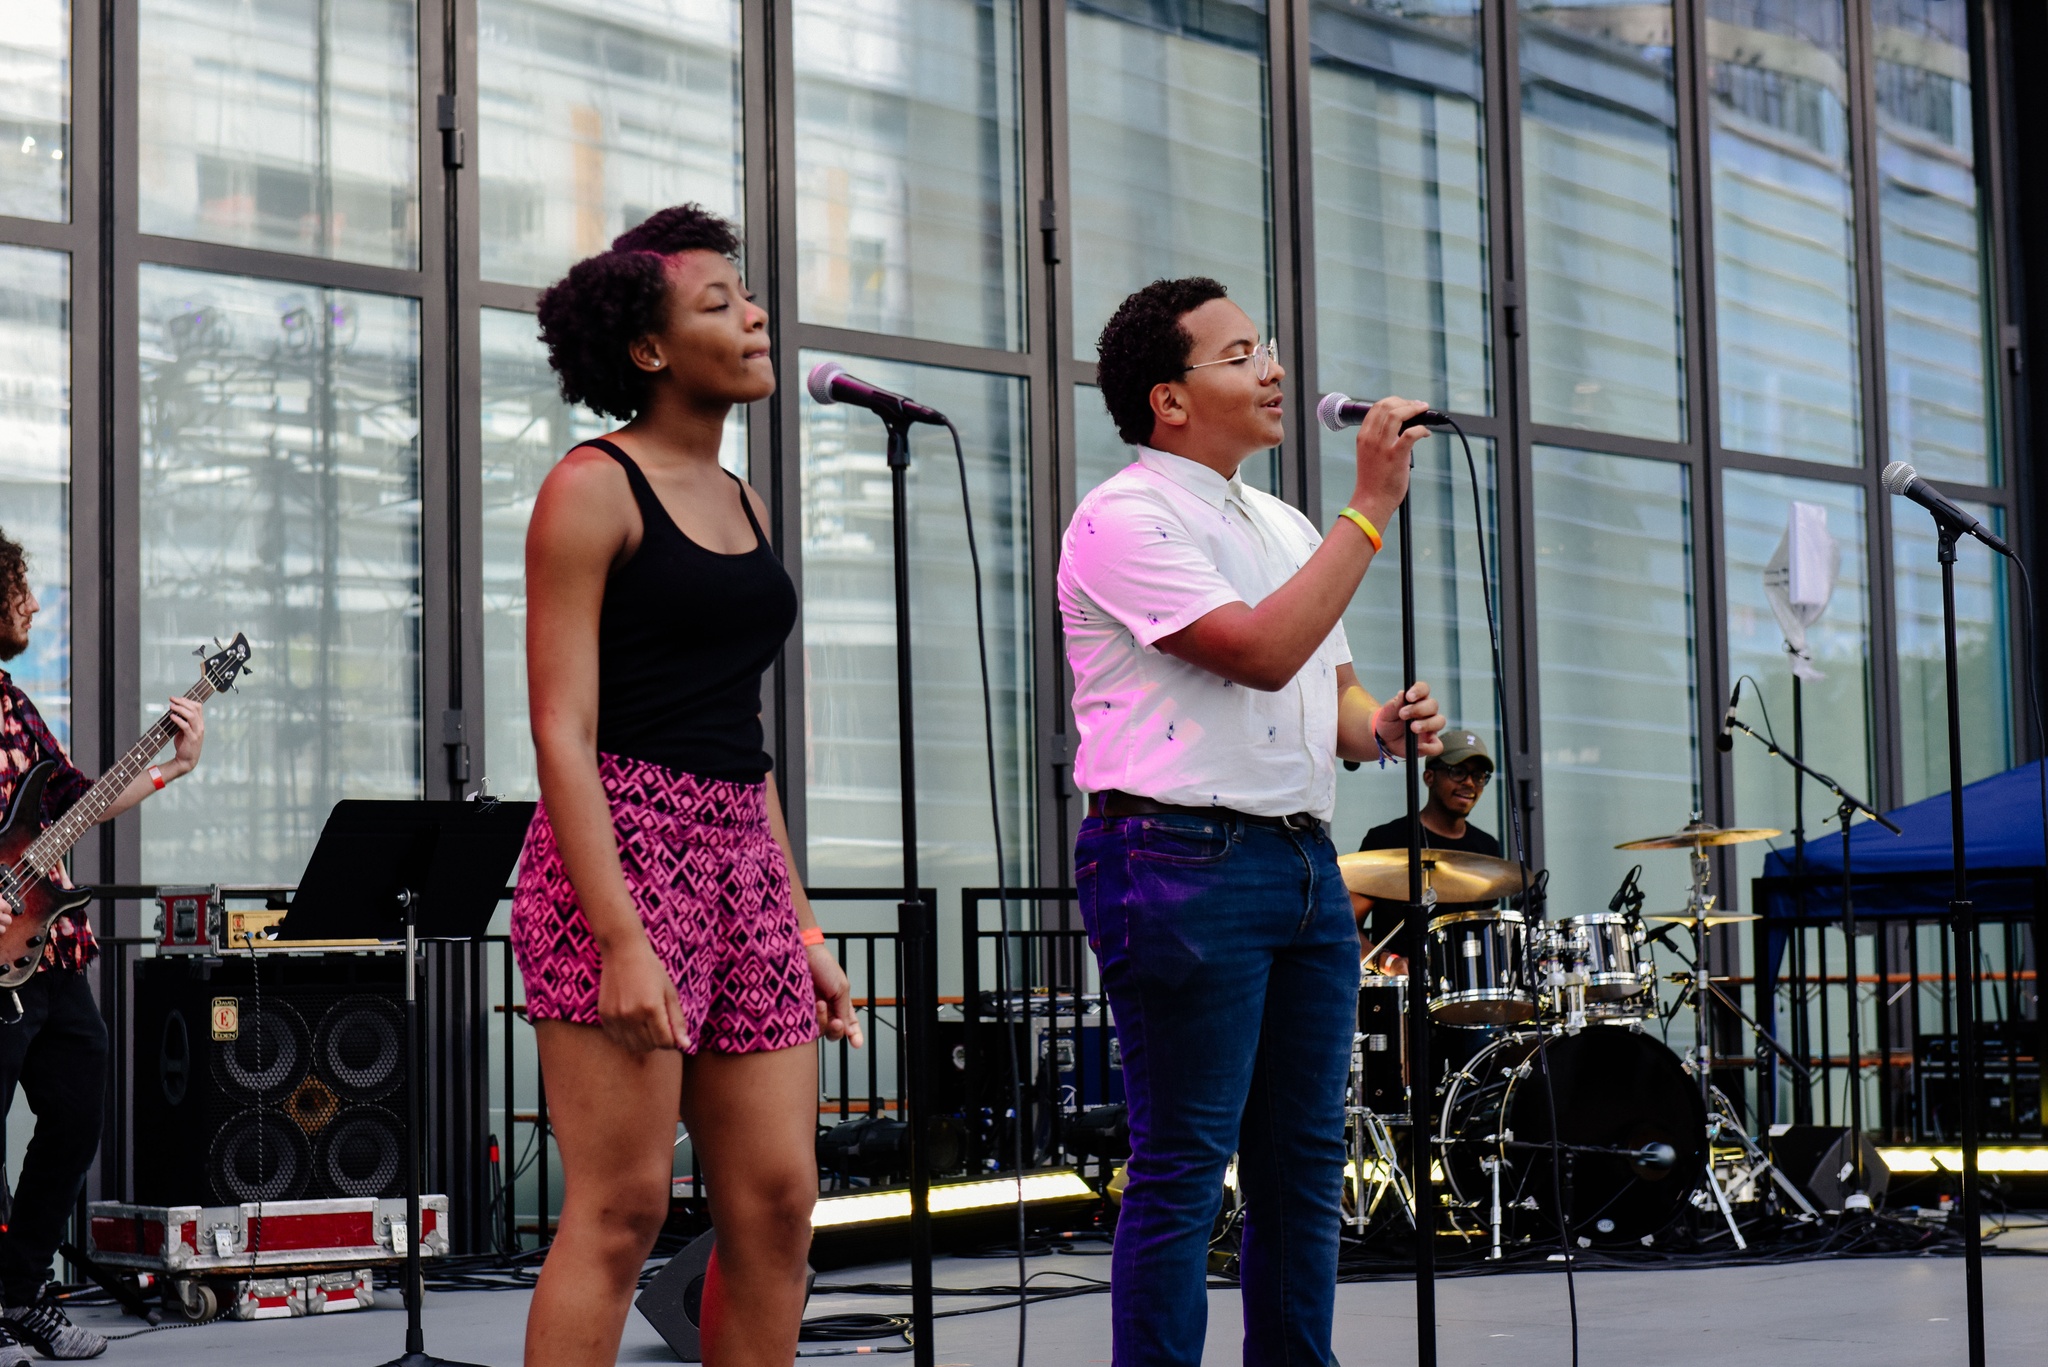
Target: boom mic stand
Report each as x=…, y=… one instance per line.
x=1420, y=1092
x=1848, y=804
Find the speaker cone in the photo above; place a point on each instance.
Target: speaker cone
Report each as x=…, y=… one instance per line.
x=362, y=1150
x=268, y=1055
x=259, y=1156
x=360, y=1049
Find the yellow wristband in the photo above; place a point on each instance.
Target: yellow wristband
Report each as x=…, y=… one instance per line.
x=1372, y=533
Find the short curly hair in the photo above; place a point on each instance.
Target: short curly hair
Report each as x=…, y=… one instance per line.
x=13, y=572
x=1143, y=344
x=609, y=301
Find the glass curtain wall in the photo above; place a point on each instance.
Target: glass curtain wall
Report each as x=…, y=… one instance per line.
x=1600, y=211
x=1616, y=669
x=908, y=169
x=849, y=635
x=35, y=474
x=280, y=497
x=1784, y=229
x=293, y=128
x=35, y=109
x=1983, y=654
x=591, y=115
x=1937, y=399
x=1397, y=94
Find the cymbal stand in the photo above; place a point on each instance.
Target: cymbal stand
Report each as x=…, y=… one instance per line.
x=1698, y=903
x=1722, y=1124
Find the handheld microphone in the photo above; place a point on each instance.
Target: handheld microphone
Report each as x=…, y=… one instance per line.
x=1726, y=740
x=829, y=383
x=1902, y=479
x=1339, y=411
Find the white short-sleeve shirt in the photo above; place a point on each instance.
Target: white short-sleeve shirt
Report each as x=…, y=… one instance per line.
x=1155, y=547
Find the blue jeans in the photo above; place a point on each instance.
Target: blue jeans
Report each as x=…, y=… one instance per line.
x=1230, y=959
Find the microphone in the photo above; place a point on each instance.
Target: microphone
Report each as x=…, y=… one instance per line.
x=1902, y=479
x=829, y=383
x=1655, y=1155
x=1726, y=740
x=1339, y=411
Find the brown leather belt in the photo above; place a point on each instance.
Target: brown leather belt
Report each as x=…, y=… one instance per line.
x=1113, y=805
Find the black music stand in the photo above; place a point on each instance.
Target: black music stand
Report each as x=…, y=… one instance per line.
x=409, y=871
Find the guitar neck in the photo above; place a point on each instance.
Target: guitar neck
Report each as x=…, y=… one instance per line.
x=53, y=844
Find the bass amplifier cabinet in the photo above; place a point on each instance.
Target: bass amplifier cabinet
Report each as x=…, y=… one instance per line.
x=277, y=1080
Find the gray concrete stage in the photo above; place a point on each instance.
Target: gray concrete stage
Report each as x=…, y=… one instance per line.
x=1891, y=1312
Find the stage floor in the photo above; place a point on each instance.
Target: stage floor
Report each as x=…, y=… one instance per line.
x=1875, y=1312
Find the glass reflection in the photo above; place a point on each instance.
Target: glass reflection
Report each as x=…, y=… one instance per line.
x=35, y=110
x=1098, y=451
x=35, y=475
x=908, y=165
x=1400, y=189
x=1451, y=645
x=1784, y=229
x=1614, y=618
x=525, y=428
x=1983, y=655
x=292, y=127
x=1938, y=404
x=1600, y=158
x=279, y=497
x=849, y=633
x=1166, y=130
x=591, y=115
x=1836, y=709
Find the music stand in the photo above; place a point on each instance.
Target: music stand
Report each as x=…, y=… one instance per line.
x=409, y=871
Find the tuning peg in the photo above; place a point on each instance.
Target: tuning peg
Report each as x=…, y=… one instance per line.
x=199, y=651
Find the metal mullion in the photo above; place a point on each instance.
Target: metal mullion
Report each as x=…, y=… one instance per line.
x=471, y=695
x=1514, y=462
x=774, y=426
x=1791, y=467
x=1613, y=443
x=911, y=350
x=120, y=529
x=2002, y=338
x=1490, y=426
x=492, y=294
x=1289, y=217
x=439, y=416
x=318, y=271
x=74, y=236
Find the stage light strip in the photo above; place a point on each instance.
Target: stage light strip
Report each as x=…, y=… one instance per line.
x=1919, y=1159
x=877, y=1207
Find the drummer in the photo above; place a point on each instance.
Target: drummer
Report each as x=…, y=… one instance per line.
x=1455, y=780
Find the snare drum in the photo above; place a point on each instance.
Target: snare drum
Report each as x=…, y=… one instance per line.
x=1381, y=1057
x=1621, y=981
x=1479, y=968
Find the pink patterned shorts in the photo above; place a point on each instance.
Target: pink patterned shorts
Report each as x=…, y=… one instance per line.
x=712, y=889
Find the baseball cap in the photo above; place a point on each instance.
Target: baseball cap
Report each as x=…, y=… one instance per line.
x=1460, y=746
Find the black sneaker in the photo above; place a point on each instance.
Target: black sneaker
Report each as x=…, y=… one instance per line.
x=12, y=1354
x=46, y=1326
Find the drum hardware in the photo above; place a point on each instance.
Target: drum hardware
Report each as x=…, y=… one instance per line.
x=1478, y=966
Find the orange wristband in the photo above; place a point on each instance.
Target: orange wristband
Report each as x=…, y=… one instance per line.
x=812, y=935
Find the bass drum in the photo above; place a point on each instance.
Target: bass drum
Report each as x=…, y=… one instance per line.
x=1615, y=1088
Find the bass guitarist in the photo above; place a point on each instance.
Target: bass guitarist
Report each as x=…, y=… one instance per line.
x=56, y=1051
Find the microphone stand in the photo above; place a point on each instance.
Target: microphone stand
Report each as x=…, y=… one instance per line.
x=913, y=921
x=1963, y=922
x=1420, y=1092
x=1848, y=805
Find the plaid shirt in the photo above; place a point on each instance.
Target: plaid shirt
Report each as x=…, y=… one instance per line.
x=25, y=741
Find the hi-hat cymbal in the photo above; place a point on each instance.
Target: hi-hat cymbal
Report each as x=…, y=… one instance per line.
x=1714, y=918
x=1698, y=835
x=1455, y=875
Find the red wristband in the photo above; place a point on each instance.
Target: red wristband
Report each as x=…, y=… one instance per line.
x=156, y=776
x=812, y=935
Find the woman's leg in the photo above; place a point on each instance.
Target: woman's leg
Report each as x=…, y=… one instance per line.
x=754, y=1121
x=614, y=1117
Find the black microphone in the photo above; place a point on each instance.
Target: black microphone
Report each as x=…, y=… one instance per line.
x=1726, y=740
x=1339, y=411
x=1654, y=1155
x=1903, y=480
x=829, y=383
x=1628, y=886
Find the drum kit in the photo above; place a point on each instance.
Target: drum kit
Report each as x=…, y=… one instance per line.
x=1557, y=1110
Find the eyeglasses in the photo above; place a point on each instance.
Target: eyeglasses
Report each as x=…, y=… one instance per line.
x=1477, y=777
x=1263, y=357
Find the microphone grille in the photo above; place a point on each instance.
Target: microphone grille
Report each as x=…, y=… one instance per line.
x=1330, y=411
x=1897, y=476
x=819, y=382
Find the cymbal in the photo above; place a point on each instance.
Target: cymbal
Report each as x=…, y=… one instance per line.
x=1714, y=918
x=1698, y=835
x=1455, y=875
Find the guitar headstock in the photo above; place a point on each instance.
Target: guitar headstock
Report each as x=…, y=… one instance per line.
x=227, y=663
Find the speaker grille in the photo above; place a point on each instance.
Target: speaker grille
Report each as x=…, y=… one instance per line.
x=362, y=1152
x=259, y=1156
x=267, y=1057
x=361, y=1047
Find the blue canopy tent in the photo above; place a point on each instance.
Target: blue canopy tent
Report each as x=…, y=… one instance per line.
x=1908, y=877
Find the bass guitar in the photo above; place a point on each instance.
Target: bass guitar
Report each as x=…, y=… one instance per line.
x=29, y=857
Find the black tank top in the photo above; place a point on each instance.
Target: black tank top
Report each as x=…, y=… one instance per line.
x=682, y=642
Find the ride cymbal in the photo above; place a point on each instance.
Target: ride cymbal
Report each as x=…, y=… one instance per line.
x=1700, y=834
x=1455, y=875
x=1714, y=918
